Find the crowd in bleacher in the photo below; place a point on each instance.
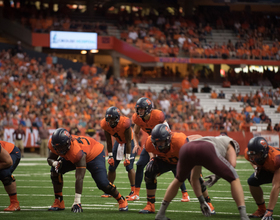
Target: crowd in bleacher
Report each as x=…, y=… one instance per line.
x=33, y=93
x=167, y=35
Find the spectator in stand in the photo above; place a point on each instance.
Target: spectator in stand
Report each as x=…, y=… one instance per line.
x=226, y=83
x=185, y=84
x=221, y=95
x=214, y=95
x=133, y=35
x=19, y=138
x=206, y=88
x=255, y=118
x=194, y=83
x=276, y=128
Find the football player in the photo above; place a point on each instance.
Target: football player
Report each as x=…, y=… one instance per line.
x=266, y=162
x=119, y=127
x=71, y=152
x=9, y=159
x=164, y=145
x=146, y=118
x=217, y=154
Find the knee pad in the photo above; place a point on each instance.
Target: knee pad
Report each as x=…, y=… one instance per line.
x=8, y=180
x=203, y=187
x=151, y=181
x=140, y=168
x=56, y=178
x=109, y=189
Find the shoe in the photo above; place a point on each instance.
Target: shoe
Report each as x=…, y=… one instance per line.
x=185, y=197
x=14, y=206
x=212, y=208
x=123, y=206
x=150, y=208
x=129, y=194
x=133, y=197
x=57, y=205
x=257, y=214
x=105, y=195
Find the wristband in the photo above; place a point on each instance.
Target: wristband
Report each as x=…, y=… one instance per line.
x=110, y=154
x=77, y=199
x=127, y=156
x=54, y=164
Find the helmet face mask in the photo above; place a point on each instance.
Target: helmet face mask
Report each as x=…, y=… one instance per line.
x=145, y=104
x=161, y=138
x=61, y=141
x=257, y=150
x=112, y=116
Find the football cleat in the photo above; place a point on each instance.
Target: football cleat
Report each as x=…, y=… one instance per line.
x=150, y=208
x=123, y=206
x=212, y=208
x=257, y=214
x=133, y=197
x=14, y=206
x=185, y=197
x=129, y=194
x=57, y=205
x=105, y=195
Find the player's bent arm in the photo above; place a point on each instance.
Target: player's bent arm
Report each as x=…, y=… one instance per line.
x=5, y=159
x=231, y=155
x=80, y=174
x=275, y=190
x=108, y=141
x=52, y=158
x=136, y=130
x=127, y=135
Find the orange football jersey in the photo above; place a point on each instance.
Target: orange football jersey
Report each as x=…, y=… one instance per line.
x=178, y=139
x=7, y=146
x=156, y=117
x=80, y=144
x=272, y=162
x=118, y=131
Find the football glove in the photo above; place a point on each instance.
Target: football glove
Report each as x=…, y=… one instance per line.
x=126, y=162
x=57, y=165
x=152, y=166
x=111, y=160
x=268, y=215
x=206, y=210
x=212, y=180
x=257, y=172
x=77, y=208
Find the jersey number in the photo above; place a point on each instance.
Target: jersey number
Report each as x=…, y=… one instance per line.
x=117, y=136
x=149, y=131
x=79, y=139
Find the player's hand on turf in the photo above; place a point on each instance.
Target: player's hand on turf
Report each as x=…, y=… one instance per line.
x=212, y=179
x=206, y=210
x=111, y=161
x=268, y=215
x=77, y=208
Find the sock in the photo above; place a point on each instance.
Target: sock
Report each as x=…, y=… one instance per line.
x=118, y=197
x=151, y=198
x=58, y=195
x=262, y=206
x=207, y=199
x=13, y=198
x=163, y=207
x=137, y=190
x=132, y=188
x=242, y=211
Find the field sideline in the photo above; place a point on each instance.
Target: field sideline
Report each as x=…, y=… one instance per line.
x=35, y=195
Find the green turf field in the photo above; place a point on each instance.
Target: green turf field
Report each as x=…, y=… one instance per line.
x=35, y=195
